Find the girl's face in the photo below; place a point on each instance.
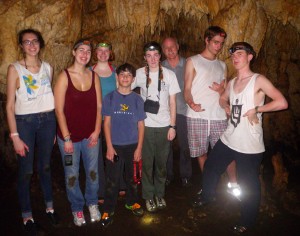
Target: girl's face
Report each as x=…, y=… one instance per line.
x=30, y=44
x=82, y=54
x=103, y=54
x=152, y=58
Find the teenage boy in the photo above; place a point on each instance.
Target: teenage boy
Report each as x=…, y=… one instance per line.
x=158, y=89
x=124, y=115
x=205, y=77
x=242, y=141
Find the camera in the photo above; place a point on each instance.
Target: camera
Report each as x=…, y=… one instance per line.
x=151, y=106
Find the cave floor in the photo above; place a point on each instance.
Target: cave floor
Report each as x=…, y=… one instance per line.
x=177, y=219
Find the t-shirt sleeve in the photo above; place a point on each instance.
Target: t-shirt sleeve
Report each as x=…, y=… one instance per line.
x=141, y=114
x=106, y=105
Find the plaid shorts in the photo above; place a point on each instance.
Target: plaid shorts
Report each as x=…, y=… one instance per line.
x=203, y=132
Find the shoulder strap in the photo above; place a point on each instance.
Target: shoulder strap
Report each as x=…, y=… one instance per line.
x=67, y=73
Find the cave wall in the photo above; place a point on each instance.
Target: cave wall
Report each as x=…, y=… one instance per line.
x=272, y=27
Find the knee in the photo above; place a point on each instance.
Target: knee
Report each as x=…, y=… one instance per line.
x=93, y=175
x=71, y=181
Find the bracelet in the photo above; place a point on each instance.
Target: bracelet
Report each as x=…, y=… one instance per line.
x=68, y=135
x=172, y=126
x=67, y=140
x=256, y=109
x=14, y=134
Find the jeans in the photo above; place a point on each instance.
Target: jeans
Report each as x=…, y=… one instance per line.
x=248, y=166
x=156, y=148
x=36, y=130
x=90, y=163
x=113, y=172
x=185, y=162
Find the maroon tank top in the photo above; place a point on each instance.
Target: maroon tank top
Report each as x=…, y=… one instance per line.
x=80, y=110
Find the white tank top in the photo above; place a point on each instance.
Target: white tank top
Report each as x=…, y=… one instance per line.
x=207, y=72
x=240, y=135
x=35, y=93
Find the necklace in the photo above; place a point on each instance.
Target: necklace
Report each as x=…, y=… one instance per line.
x=245, y=77
x=34, y=65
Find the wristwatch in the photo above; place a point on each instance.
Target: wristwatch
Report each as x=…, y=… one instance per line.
x=173, y=126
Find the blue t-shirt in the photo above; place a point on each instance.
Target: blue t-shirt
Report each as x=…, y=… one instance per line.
x=125, y=112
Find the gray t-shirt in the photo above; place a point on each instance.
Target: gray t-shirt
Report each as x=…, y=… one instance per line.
x=181, y=106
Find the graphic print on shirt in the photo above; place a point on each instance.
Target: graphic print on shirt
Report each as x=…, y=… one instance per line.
x=124, y=110
x=124, y=107
x=31, y=86
x=236, y=112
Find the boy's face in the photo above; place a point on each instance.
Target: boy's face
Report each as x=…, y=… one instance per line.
x=215, y=45
x=125, y=79
x=240, y=59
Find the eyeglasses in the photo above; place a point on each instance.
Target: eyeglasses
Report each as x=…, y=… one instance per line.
x=105, y=45
x=33, y=42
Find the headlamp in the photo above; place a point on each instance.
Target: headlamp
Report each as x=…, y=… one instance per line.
x=104, y=45
x=233, y=49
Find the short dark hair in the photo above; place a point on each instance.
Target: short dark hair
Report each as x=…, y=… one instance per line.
x=243, y=46
x=126, y=67
x=151, y=46
x=31, y=31
x=212, y=31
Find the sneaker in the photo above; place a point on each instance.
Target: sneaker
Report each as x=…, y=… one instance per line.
x=53, y=217
x=136, y=209
x=79, y=218
x=30, y=227
x=234, y=190
x=106, y=219
x=151, y=206
x=94, y=213
x=161, y=203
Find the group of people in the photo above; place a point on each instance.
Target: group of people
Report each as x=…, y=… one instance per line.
x=188, y=98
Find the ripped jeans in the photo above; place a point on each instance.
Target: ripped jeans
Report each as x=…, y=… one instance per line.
x=90, y=163
x=38, y=132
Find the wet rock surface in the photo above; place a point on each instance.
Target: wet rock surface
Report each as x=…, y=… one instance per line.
x=179, y=218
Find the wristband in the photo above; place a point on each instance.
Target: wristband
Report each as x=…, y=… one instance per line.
x=256, y=109
x=67, y=139
x=172, y=126
x=14, y=134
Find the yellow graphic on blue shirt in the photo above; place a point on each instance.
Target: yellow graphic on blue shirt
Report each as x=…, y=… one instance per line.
x=31, y=86
x=124, y=107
